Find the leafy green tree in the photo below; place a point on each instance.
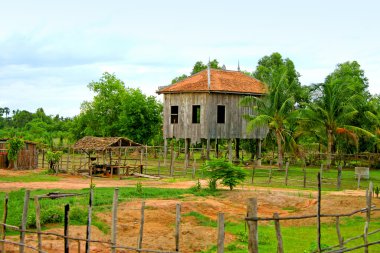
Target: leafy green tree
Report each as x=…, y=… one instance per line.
x=179, y=78
x=336, y=105
x=15, y=145
x=198, y=67
x=53, y=158
x=229, y=174
x=274, y=109
x=118, y=111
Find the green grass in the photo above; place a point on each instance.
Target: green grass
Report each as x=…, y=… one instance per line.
x=329, y=178
x=52, y=211
x=202, y=220
x=299, y=239
x=32, y=177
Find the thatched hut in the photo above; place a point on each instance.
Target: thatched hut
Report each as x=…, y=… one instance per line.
x=27, y=157
x=107, y=152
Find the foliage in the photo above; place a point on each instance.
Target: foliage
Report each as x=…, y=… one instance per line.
x=14, y=147
x=229, y=174
x=139, y=188
x=119, y=111
x=198, y=67
x=53, y=158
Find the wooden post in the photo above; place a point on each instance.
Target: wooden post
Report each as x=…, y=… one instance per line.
x=172, y=156
x=187, y=153
x=359, y=177
x=80, y=159
x=319, y=213
x=158, y=167
x=165, y=150
x=253, y=238
x=38, y=222
x=258, y=155
x=89, y=218
x=368, y=215
x=230, y=150
x=304, y=177
x=280, y=247
x=3, y=227
x=67, y=160
x=141, y=233
x=66, y=228
x=114, y=219
x=194, y=168
x=220, y=232
x=237, y=148
x=270, y=176
x=24, y=220
x=253, y=173
x=177, y=226
x=339, y=179
x=340, y=239
x=208, y=149
x=286, y=173
x=43, y=159
x=216, y=148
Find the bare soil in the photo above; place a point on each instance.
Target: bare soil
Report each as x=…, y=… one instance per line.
x=160, y=214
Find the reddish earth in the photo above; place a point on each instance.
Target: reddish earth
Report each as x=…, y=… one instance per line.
x=160, y=214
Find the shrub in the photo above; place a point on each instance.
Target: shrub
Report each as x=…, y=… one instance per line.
x=229, y=174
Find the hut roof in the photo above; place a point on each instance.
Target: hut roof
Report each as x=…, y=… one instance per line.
x=103, y=143
x=222, y=81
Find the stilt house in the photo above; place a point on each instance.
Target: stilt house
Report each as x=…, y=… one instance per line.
x=207, y=106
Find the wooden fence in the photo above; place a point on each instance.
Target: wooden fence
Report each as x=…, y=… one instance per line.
x=253, y=219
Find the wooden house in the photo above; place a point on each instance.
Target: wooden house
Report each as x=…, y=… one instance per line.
x=27, y=157
x=207, y=106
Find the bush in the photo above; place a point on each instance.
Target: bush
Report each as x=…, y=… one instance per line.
x=229, y=174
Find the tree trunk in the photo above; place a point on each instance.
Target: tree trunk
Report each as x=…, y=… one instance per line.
x=329, y=147
x=279, y=148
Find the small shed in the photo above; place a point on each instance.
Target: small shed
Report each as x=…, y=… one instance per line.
x=27, y=157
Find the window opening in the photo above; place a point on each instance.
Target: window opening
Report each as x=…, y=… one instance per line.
x=221, y=114
x=196, y=114
x=174, y=114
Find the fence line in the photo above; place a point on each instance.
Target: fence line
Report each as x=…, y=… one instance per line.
x=252, y=221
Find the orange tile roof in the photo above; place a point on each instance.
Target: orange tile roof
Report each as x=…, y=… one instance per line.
x=225, y=81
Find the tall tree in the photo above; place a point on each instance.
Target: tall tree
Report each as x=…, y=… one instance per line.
x=336, y=104
x=198, y=67
x=274, y=109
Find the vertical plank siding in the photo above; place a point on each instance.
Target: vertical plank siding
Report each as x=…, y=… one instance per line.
x=235, y=125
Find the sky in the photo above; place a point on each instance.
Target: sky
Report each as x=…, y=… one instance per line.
x=51, y=50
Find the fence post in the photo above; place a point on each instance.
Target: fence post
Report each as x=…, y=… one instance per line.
x=177, y=226
x=88, y=230
x=270, y=176
x=340, y=239
x=359, y=177
x=253, y=173
x=43, y=159
x=304, y=178
x=319, y=213
x=280, y=247
x=338, y=183
x=368, y=215
x=194, y=167
x=66, y=228
x=114, y=219
x=24, y=220
x=38, y=222
x=3, y=227
x=141, y=233
x=253, y=239
x=220, y=232
x=286, y=173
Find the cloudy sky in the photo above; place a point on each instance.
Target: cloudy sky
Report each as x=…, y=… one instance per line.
x=51, y=50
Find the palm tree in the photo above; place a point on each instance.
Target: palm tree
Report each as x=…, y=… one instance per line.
x=274, y=109
x=331, y=111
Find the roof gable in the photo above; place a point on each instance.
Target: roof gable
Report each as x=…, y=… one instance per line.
x=103, y=143
x=225, y=81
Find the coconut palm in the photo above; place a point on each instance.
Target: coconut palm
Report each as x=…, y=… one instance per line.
x=274, y=109
x=331, y=111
